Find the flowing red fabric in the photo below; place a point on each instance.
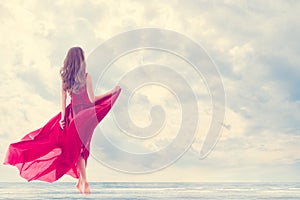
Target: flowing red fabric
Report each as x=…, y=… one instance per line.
x=50, y=152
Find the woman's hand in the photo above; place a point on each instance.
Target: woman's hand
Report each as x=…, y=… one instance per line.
x=115, y=89
x=62, y=123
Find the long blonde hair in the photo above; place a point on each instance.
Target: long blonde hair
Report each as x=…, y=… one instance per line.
x=73, y=72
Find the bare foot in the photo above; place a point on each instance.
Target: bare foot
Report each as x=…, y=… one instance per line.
x=86, y=188
x=78, y=186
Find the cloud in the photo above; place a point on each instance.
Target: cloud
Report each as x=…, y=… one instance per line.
x=255, y=45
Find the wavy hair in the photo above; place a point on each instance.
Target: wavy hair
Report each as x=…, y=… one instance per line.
x=73, y=70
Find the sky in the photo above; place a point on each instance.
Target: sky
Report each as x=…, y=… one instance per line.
x=253, y=44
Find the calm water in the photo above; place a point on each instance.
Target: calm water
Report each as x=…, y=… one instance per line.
x=62, y=190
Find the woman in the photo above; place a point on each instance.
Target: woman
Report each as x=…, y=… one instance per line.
x=61, y=146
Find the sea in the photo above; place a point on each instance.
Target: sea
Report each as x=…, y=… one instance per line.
x=151, y=190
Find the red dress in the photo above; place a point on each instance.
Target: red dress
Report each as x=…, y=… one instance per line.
x=50, y=152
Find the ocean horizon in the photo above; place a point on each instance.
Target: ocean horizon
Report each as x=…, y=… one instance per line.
x=152, y=190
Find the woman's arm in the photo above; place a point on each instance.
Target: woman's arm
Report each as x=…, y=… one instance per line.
x=63, y=107
x=90, y=90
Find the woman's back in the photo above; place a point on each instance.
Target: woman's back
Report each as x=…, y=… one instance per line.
x=80, y=100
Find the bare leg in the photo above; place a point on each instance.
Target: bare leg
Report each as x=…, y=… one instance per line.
x=87, y=188
x=82, y=179
x=79, y=185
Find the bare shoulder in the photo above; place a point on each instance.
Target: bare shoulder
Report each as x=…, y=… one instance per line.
x=88, y=77
x=89, y=87
x=88, y=80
